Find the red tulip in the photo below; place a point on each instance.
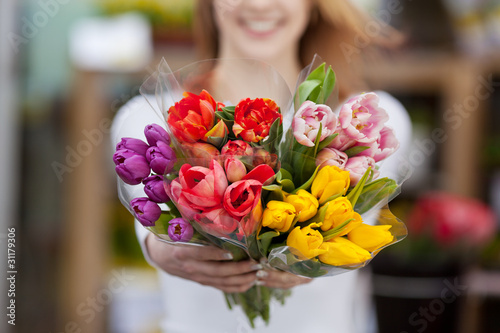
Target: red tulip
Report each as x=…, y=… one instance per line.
x=253, y=118
x=192, y=117
x=241, y=197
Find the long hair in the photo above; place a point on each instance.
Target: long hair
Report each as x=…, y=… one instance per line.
x=340, y=33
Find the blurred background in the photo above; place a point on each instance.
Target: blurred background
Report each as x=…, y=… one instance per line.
x=67, y=66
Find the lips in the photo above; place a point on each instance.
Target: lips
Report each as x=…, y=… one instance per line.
x=260, y=27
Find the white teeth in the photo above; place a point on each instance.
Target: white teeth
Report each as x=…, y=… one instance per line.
x=261, y=26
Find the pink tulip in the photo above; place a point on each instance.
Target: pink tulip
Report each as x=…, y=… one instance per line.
x=360, y=120
x=331, y=156
x=241, y=197
x=307, y=121
x=199, y=189
x=385, y=145
x=357, y=167
x=235, y=169
x=217, y=222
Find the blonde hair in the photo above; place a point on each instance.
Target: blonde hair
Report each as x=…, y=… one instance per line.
x=335, y=30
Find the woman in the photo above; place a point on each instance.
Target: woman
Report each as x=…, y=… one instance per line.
x=285, y=34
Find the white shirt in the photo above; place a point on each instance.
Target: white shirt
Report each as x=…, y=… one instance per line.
x=329, y=304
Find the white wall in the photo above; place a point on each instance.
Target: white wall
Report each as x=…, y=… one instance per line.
x=9, y=147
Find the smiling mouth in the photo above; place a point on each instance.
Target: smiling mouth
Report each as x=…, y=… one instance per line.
x=260, y=27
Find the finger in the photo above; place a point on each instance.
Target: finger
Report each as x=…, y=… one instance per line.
x=282, y=280
x=234, y=289
x=201, y=253
x=232, y=281
x=219, y=269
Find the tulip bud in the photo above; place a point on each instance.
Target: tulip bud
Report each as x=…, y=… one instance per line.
x=132, y=144
x=235, y=169
x=155, y=133
x=306, y=240
x=179, y=230
x=331, y=156
x=371, y=237
x=154, y=188
x=161, y=158
x=145, y=211
x=278, y=215
x=330, y=181
x=131, y=167
x=237, y=148
x=217, y=135
x=341, y=251
x=357, y=167
x=305, y=204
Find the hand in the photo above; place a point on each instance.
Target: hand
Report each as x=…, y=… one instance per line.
x=207, y=265
x=279, y=279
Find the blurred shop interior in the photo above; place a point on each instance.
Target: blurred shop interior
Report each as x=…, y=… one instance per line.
x=71, y=65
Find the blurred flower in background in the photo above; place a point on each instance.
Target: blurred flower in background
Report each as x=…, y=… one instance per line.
x=446, y=225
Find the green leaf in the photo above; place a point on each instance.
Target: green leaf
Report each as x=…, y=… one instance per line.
x=333, y=197
x=288, y=185
x=285, y=174
x=353, y=151
x=273, y=132
x=328, y=84
x=274, y=193
x=308, y=183
x=223, y=116
x=229, y=109
x=356, y=191
x=327, y=235
x=326, y=141
x=272, y=187
x=317, y=74
x=306, y=88
x=265, y=240
x=316, y=141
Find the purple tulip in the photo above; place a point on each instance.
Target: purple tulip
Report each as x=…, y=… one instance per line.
x=155, y=133
x=132, y=144
x=131, y=167
x=179, y=230
x=161, y=158
x=145, y=211
x=154, y=188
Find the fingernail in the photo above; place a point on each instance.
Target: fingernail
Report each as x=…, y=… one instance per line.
x=256, y=267
x=227, y=255
x=262, y=274
x=259, y=283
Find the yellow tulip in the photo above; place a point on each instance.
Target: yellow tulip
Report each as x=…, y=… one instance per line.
x=306, y=240
x=371, y=237
x=305, y=204
x=330, y=181
x=337, y=212
x=278, y=215
x=341, y=251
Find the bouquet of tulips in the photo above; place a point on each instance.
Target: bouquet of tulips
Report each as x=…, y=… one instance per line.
x=281, y=179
